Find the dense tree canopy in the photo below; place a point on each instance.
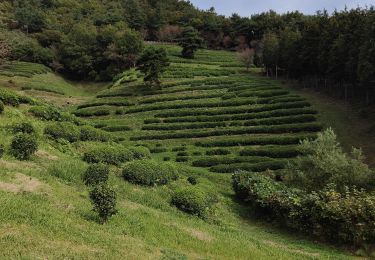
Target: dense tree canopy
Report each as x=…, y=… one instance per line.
x=98, y=39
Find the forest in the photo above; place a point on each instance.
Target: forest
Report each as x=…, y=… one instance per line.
x=96, y=40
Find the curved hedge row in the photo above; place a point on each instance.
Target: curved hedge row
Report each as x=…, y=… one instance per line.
x=213, y=161
x=253, y=167
x=174, y=98
x=179, y=105
x=246, y=116
x=273, y=151
x=238, y=110
x=122, y=103
x=273, y=129
x=257, y=140
x=266, y=121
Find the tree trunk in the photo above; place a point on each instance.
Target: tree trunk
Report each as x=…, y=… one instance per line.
x=277, y=74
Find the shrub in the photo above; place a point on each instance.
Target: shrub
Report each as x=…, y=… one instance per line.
x=158, y=150
x=47, y=113
x=166, y=158
x=9, y=97
x=346, y=217
x=117, y=128
x=140, y=152
x=103, y=199
x=2, y=150
x=192, y=180
x=23, y=146
x=193, y=200
x=325, y=162
x=179, y=149
x=63, y=130
x=89, y=133
x=182, y=159
x=96, y=174
x=25, y=127
x=149, y=173
x=1, y=107
x=183, y=153
x=107, y=154
x=218, y=152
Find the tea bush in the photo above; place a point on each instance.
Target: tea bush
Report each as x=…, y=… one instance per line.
x=23, y=146
x=25, y=127
x=140, y=152
x=193, y=200
x=2, y=150
x=149, y=173
x=63, y=130
x=95, y=174
x=89, y=133
x=103, y=199
x=114, y=155
x=1, y=107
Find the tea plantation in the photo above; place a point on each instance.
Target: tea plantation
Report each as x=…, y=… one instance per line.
x=163, y=157
x=207, y=114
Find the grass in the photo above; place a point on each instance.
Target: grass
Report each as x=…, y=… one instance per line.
x=50, y=216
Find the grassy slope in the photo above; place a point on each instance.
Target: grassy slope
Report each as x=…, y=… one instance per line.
x=351, y=129
x=48, y=214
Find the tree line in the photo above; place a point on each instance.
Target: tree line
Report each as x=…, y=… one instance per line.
x=332, y=53
x=96, y=40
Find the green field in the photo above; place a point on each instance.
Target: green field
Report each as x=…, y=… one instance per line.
x=210, y=118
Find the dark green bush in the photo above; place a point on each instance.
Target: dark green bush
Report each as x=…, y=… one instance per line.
x=108, y=154
x=47, y=113
x=179, y=149
x=183, y=153
x=92, y=112
x=149, y=173
x=9, y=97
x=158, y=150
x=25, y=127
x=2, y=150
x=103, y=199
x=166, y=158
x=192, y=180
x=182, y=159
x=23, y=146
x=140, y=152
x=96, y=174
x=63, y=130
x=218, y=152
x=89, y=133
x=117, y=128
x=346, y=217
x=1, y=107
x=193, y=200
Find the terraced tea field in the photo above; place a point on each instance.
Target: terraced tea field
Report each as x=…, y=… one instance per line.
x=208, y=114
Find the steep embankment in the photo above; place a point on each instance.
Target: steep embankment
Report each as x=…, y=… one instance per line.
x=207, y=115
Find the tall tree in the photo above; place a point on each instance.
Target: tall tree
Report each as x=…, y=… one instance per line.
x=190, y=42
x=153, y=63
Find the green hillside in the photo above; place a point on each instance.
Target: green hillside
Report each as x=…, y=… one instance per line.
x=209, y=120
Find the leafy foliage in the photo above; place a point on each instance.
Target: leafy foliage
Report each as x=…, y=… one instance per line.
x=149, y=173
x=190, y=41
x=23, y=146
x=96, y=174
x=103, y=199
x=153, y=63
